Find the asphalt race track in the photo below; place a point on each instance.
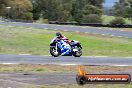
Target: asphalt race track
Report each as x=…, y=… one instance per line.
x=103, y=31
x=34, y=59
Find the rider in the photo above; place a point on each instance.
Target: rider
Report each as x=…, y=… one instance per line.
x=62, y=37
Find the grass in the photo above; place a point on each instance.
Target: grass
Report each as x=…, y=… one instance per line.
x=108, y=19
x=27, y=40
x=60, y=69
x=124, y=29
x=36, y=68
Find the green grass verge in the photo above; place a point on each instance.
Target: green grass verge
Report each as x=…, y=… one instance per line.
x=107, y=19
x=36, y=68
x=124, y=29
x=60, y=69
x=26, y=40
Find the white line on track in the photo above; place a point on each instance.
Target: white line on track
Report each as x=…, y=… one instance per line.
x=71, y=26
x=103, y=34
x=110, y=29
x=119, y=36
x=86, y=32
x=110, y=65
x=77, y=31
x=94, y=33
x=66, y=64
x=28, y=23
x=55, y=29
x=128, y=57
x=46, y=55
x=9, y=63
x=122, y=30
x=84, y=27
x=112, y=35
x=65, y=30
x=95, y=56
x=24, y=54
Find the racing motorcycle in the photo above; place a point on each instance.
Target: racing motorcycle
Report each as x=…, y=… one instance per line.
x=60, y=47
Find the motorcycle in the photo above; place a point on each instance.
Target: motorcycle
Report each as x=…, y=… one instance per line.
x=60, y=47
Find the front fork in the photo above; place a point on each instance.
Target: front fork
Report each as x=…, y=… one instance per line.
x=56, y=48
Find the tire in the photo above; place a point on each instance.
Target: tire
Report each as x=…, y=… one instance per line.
x=53, y=53
x=81, y=80
x=77, y=53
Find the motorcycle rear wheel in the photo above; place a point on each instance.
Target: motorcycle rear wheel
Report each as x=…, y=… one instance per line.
x=77, y=53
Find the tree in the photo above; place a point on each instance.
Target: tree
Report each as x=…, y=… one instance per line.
x=76, y=12
x=83, y=8
x=46, y=9
x=91, y=14
x=39, y=10
x=53, y=10
x=21, y=9
x=3, y=5
x=66, y=8
x=118, y=20
x=97, y=3
x=90, y=9
x=123, y=8
x=63, y=10
x=92, y=18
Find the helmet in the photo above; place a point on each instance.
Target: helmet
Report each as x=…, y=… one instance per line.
x=58, y=34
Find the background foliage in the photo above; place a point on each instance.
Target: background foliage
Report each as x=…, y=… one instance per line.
x=81, y=11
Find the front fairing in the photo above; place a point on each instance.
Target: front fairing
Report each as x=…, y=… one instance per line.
x=53, y=40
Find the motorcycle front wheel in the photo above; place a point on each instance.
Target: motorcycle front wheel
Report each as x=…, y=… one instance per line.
x=54, y=52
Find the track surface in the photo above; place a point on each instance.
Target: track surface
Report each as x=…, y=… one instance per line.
x=34, y=59
x=103, y=31
x=39, y=78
